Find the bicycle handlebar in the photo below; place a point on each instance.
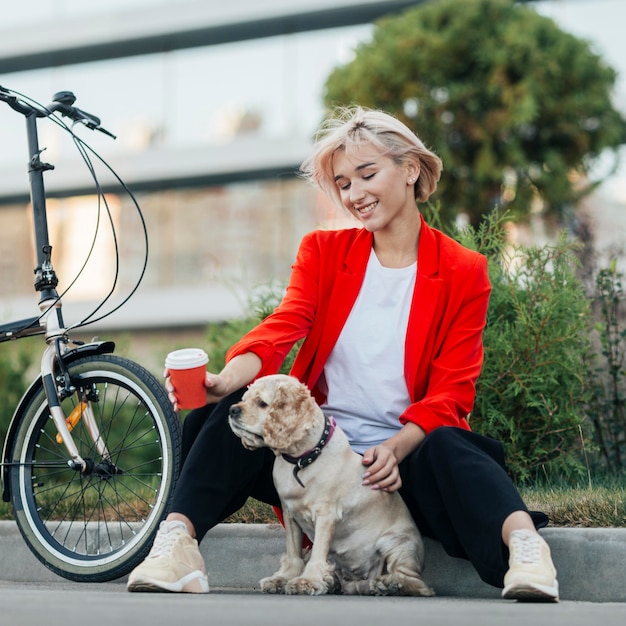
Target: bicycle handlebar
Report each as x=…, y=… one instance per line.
x=61, y=102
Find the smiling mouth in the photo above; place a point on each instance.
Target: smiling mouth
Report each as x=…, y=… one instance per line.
x=367, y=209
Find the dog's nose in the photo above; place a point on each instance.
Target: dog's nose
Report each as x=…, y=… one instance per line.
x=235, y=411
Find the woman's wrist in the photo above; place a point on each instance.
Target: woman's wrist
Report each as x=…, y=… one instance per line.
x=240, y=371
x=406, y=440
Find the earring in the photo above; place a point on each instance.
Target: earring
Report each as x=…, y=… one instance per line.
x=411, y=181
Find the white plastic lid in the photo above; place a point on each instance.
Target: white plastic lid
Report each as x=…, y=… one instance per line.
x=186, y=359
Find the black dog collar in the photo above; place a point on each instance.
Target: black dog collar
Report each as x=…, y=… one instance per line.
x=308, y=457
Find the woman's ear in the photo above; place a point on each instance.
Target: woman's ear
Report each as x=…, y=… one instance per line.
x=413, y=173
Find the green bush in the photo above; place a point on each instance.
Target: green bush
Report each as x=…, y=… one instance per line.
x=607, y=403
x=16, y=359
x=532, y=390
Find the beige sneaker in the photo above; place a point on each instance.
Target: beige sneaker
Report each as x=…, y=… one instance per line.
x=531, y=576
x=174, y=563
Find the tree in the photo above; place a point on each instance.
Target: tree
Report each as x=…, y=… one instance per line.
x=516, y=108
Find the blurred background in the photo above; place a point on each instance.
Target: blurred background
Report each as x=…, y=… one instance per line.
x=214, y=106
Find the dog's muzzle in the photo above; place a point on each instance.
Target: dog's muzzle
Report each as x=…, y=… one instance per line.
x=249, y=439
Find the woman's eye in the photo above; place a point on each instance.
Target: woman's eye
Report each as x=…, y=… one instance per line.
x=368, y=176
x=344, y=187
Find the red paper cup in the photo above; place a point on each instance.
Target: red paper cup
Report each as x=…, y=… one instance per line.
x=187, y=369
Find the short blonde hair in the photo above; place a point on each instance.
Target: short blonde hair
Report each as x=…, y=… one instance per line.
x=357, y=126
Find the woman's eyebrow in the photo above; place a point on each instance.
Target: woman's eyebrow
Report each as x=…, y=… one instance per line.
x=358, y=168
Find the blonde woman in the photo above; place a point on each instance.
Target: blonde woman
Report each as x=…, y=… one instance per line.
x=392, y=315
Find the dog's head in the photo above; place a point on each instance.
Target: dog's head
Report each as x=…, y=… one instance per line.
x=278, y=412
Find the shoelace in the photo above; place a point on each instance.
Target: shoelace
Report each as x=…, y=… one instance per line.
x=526, y=549
x=164, y=540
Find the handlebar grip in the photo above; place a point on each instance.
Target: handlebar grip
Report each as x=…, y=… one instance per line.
x=78, y=115
x=63, y=101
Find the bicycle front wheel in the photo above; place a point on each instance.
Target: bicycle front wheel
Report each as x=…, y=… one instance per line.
x=97, y=525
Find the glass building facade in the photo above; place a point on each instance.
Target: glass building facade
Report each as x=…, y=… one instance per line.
x=209, y=136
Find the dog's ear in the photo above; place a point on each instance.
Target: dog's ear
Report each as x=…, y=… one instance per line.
x=289, y=418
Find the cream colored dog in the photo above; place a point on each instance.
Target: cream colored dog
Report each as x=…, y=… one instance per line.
x=364, y=540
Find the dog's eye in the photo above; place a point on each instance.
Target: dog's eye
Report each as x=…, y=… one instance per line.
x=262, y=404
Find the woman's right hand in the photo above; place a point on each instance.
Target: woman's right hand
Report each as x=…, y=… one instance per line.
x=214, y=383
x=216, y=387
x=239, y=372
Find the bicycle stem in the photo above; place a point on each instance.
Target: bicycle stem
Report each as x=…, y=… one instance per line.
x=45, y=277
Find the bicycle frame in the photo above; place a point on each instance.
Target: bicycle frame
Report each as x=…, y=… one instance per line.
x=54, y=375
x=93, y=450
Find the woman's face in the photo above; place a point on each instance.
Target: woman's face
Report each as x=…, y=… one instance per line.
x=376, y=190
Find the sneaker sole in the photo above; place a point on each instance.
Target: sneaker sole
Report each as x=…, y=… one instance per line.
x=196, y=582
x=531, y=593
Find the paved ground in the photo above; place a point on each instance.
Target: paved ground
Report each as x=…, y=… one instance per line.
x=62, y=604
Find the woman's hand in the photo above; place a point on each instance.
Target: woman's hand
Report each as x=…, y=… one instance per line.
x=382, y=461
x=382, y=471
x=237, y=373
x=216, y=387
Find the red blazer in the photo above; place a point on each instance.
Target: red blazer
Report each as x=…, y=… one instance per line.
x=443, y=350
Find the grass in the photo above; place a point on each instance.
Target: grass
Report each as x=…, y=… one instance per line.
x=580, y=506
x=602, y=506
x=585, y=507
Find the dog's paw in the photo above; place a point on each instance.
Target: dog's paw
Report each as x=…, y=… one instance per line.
x=393, y=585
x=302, y=586
x=357, y=588
x=273, y=584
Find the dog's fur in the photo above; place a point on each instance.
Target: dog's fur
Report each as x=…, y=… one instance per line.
x=364, y=540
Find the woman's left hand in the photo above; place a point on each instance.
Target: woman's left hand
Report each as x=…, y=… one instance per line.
x=382, y=471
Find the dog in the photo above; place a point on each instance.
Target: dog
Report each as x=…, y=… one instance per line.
x=364, y=541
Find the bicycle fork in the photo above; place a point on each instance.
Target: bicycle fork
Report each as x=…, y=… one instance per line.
x=58, y=386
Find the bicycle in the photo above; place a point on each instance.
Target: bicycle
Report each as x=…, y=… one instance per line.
x=93, y=449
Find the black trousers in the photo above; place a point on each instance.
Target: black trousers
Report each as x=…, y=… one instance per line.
x=455, y=486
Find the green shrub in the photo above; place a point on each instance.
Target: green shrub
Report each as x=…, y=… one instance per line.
x=532, y=391
x=16, y=359
x=607, y=404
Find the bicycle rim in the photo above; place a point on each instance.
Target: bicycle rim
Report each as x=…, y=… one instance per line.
x=97, y=526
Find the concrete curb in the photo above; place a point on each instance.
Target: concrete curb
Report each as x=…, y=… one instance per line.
x=591, y=561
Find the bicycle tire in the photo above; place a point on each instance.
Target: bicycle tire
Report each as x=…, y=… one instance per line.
x=90, y=528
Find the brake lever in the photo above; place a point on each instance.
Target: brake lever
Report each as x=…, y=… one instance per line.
x=63, y=101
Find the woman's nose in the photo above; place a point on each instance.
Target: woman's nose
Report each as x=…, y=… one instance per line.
x=356, y=192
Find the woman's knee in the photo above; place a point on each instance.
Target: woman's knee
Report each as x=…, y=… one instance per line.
x=449, y=442
x=435, y=451
x=441, y=439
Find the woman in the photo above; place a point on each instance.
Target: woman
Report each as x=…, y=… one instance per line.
x=392, y=316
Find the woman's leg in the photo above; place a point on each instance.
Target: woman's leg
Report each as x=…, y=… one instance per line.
x=458, y=491
x=218, y=473
x=217, y=477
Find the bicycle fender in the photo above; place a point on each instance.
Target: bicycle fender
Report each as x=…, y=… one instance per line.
x=87, y=349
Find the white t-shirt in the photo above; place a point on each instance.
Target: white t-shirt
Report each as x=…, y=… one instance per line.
x=364, y=375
